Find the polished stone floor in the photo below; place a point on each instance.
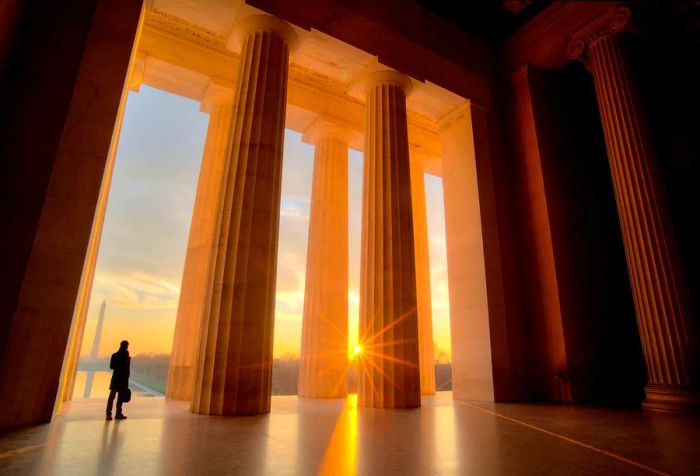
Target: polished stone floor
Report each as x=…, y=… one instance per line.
x=335, y=437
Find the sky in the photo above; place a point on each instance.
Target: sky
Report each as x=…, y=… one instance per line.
x=142, y=252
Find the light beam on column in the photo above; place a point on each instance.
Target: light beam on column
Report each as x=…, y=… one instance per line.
x=425, y=312
x=473, y=254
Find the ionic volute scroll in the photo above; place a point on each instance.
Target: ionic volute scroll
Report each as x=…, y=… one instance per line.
x=606, y=25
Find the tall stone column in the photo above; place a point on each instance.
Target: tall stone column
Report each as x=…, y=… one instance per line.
x=218, y=102
x=661, y=302
x=388, y=367
x=425, y=311
x=324, y=348
x=234, y=367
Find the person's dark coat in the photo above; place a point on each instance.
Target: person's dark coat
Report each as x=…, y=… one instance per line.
x=120, y=363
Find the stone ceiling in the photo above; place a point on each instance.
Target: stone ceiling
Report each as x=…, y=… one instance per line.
x=327, y=58
x=490, y=20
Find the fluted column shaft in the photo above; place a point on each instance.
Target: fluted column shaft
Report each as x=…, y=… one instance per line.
x=324, y=349
x=234, y=369
x=388, y=368
x=658, y=287
x=218, y=102
x=425, y=311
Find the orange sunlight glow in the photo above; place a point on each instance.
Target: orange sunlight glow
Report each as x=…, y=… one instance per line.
x=357, y=350
x=370, y=352
x=340, y=457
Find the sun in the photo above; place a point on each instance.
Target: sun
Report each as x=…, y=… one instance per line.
x=357, y=350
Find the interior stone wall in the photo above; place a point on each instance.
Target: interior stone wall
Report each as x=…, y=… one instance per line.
x=60, y=99
x=604, y=358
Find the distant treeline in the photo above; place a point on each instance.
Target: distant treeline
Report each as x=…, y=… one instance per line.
x=148, y=369
x=285, y=373
x=152, y=370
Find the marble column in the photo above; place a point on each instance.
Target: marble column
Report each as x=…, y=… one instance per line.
x=661, y=302
x=388, y=367
x=218, y=102
x=425, y=311
x=234, y=367
x=324, y=349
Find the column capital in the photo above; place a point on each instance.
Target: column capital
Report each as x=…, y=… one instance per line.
x=246, y=25
x=605, y=25
x=324, y=127
x=218, y=91
x=378, y=74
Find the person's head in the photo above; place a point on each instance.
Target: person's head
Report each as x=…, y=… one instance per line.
x=124, y=345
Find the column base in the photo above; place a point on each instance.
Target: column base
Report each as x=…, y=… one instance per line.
x=240, y=413
x=669, y=398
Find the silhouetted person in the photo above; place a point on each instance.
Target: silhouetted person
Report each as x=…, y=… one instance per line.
x=119, y=363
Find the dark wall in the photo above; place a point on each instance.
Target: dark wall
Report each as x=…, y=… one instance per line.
x=665, y=52
x=60, y=100
x=537, y=315
x=511, y=382
x=11, y=12
x=35, y=93
x=603, y=351
x=495, y=197
x=590, y=285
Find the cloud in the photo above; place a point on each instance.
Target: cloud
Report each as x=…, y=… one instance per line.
x=290, y=304
x=287, y=278
x=295, y=209
x=136, y=290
